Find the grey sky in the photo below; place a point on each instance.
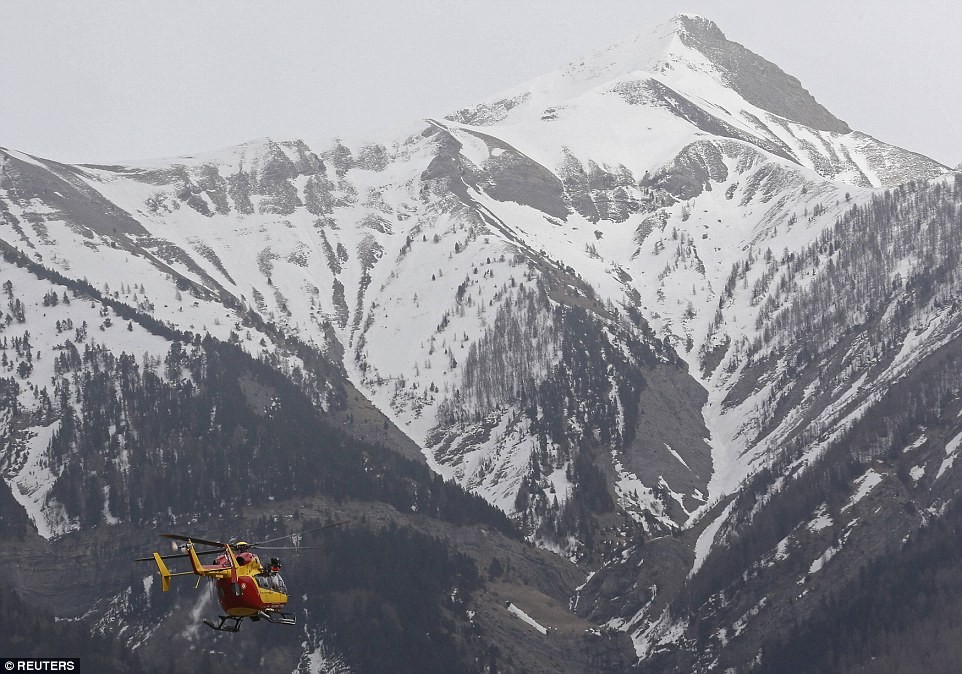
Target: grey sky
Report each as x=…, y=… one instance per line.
x=100, y=81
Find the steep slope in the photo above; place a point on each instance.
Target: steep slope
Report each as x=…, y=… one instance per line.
x=843, y=417
x=194, y=435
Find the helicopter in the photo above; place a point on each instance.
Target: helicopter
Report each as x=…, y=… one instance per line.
x=246, y=588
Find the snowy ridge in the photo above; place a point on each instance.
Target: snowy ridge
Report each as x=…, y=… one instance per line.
x=647, y=169
x=664, y=87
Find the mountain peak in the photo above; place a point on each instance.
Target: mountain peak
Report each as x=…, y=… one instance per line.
x=755, y=79
x=683, y=44
x=689, y=22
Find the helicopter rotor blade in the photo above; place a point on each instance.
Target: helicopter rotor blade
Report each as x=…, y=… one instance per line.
x=299, y=533
x=185, y=554
x=291, y=547
x=233, y=545
x=178, y=537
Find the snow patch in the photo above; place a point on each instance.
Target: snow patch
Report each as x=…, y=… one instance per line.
x=677, y=456
x=636, y=497
x=822, y=520
x=781, y=550
x=951, y=451
x=33, y=481
x=657, y=633
x=515, y=611
x=148, y=583
x=864, y=485
x=915, y=445
x=707, y=538
x=823, y=559
x=316, y=656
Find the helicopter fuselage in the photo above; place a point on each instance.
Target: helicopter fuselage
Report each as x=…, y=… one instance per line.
x=255, y=590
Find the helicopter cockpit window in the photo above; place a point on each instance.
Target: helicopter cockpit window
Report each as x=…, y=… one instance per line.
x=271, y=581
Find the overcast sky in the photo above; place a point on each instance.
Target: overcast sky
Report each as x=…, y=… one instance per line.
x=105, y=81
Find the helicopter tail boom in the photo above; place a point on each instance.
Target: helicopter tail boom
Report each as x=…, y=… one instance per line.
x=165, y=574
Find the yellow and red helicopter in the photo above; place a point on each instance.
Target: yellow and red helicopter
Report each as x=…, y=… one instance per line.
x=246, y=588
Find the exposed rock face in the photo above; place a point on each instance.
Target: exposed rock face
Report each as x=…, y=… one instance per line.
x=274, y=183
x=758, y=81
x=512, y=176
x=692, y=172
x=67, y=195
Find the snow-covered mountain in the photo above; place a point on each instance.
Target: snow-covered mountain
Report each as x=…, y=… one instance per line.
x=619, y=301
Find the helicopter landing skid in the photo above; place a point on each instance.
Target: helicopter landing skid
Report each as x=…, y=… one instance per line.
x=278, y=617
x=221, y=627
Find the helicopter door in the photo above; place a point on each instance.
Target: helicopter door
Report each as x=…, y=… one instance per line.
x=235, y=589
